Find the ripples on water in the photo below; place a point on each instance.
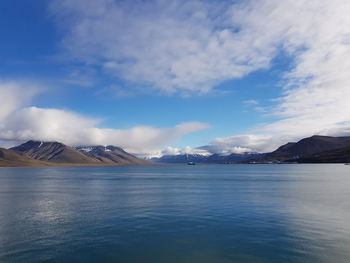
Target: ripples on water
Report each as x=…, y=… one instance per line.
x=202, y=213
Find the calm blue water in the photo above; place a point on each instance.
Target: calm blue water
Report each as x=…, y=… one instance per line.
x=201, y=213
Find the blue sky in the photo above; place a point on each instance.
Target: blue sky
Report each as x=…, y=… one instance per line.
x=168, y=77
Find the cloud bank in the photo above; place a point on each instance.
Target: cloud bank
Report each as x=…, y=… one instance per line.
x=18, y=124
x=187, y=150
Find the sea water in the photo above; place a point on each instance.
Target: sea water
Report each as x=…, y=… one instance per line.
x=176, y=213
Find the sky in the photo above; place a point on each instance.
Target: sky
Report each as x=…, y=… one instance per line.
x=163, y=77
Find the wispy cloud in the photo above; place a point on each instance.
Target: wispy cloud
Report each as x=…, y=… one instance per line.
x=250, y=102
x=183, y=46
x=13, y=95
x=176, y=46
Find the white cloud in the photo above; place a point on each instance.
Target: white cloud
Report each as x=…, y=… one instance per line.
x=171, y=45
x=250, y=102
x=187, y=150
x=73, y=129
x=33, y=123
x=194, y=45
x=316, y=96
x=44, y=124
x=14, y=95
x=247, y=143
x=238, y=144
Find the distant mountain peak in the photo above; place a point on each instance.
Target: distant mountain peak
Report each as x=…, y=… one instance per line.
x=213, y=158
x=36, y=144
x=110, y=154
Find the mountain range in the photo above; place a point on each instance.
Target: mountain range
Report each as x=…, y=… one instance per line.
x=35, y=153
x=315, y=149
x=213, y=158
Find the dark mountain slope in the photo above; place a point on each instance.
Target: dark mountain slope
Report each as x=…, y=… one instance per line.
x=340, y=155
x=111, y=155
x=11, y=158
x=53, y=152
x=306, y=147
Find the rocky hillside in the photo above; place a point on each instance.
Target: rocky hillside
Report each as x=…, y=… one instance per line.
x=340, y=155
x=54, y=152
x=110, y=155
x=312, y=145
x=11, y=158
x=305, y=147
x=35, y=153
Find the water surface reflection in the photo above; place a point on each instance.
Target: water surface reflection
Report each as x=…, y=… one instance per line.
x=214, y=213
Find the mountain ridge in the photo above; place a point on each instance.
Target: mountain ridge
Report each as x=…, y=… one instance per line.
x=293, y=151
x=110, y=154
x=53, y=152
x=36, y=153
